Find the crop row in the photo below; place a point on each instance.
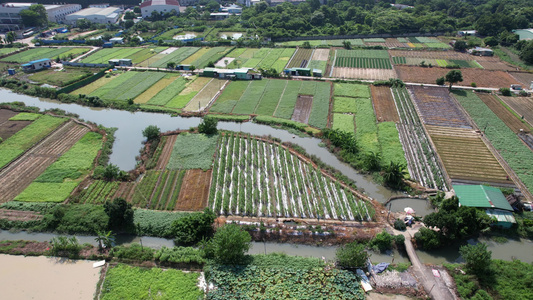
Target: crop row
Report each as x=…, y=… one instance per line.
x=512, y=149
x=98, y=192
x=363, y=53
x=158, y=190
x=363, y=62
x=177, y=56
x=421, y=158
x=40, y=53
x=301, y=58
x=256, y=178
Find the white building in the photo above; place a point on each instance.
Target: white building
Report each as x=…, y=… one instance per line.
x=100, y=5
x=57, y=13
x=10, y=17
x=161, y=6
x=107, y=15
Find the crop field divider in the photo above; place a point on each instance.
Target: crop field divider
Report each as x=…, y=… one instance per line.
x=215, y=97
x=292, y=57
x=199, y=92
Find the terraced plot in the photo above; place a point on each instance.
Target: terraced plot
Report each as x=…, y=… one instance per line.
x=511, y=120
x=245, y=182
x=21, y=172
x=523, y=106
x=40, y=53
x=301, y=58
x=437, y=107
x=204, y=96
x=465, y=156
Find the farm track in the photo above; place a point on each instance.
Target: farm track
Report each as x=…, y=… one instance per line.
x=166, y=153
x=503, y=113
x=21, y=172
x=194, y=190
x=384, y=106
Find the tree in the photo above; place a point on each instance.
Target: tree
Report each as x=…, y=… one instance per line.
x=459, y=46
x=208, y=125
x=452, y=77
x=306, y=45
x=129, y=15
x=382, y=241
x=171, y=65
x=229, y=245
x=440, y=81
x=491, y=41
x=393, y=174
x=427, y=238
x=151, y=132
x=193, y=228
x=10, y=37
x=477, y=257
x=120, y=213
x=137, y=9
x=212, y=6
x=352, y=255
x=526, y=54
x=111, y=172
x=129, y=24
x=372, y=161
x=105, y=239
x=347, y=44
x=35, y=15
x=506, y=92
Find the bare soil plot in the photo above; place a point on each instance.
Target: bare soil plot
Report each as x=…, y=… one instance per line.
x=523, y=106
x=483, y=78
x=394, y=43
x=302, y=109
x=19, y=215
x=523, y=77
x=204, y=97
x=320, y=54
x=466, y=157
x=494, y=63
x=194, y=190
x=9, y=128
x=21, y=172
x=437, y=107
x=384, y=106
x=431, y=54
x=369, y=74
x=6, y=114
x=165, y=154
x=511, y=120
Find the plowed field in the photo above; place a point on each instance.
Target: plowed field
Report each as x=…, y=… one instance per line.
x=21, y=172
x=483, y=78
x=165, y=154
x=194, y=190
x=384, y=104
x=9, y=128
x=6, y=114
x=494, y=63
x=514, y=123
x=524, y=78
x=466, y=157
x=523, y=106
x=431, y=54
x=302, y=109
x=369, y=74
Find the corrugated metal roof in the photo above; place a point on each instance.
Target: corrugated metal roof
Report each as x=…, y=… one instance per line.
x=481, y=196
x=500, y=215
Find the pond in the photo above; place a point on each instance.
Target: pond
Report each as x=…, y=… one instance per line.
x=422, y=207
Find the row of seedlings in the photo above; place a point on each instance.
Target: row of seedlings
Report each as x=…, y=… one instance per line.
x=421, y=157
x=98, y=192
x=255, y=178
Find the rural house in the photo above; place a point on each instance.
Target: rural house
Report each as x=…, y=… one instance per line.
x=35, y=65
x=243, y=73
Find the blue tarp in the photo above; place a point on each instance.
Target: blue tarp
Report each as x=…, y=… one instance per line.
x=380, y=267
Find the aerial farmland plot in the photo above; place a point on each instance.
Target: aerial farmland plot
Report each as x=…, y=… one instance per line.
x=102, y=56
x=175, y=55
x=362, y=64
x=278, y=98
x=129, y=85
x=301, y=58
x=202, y=57
x=483, y=78
x=205, y=95
x=319, y=60
x=251, y=177
x=523, y=106
x=193, y=86
x=265, y=58
x=383, y=103
x=40, y=53
x=437, y=107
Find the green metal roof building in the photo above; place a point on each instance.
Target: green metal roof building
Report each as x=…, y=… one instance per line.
x=481, y=196
x=490, y=198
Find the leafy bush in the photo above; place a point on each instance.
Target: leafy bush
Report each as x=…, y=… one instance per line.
x=477, y=257
x=133, y=252
x=505, y=91
x=399, y=225
x=382, y=241
x=399, y=239
x=120, y=213
x=180, y=255
x=155, y=223
x=427, y=238
x=229, y=245
x=208, y=125
x=193, y=228
x=65, y=246
x=352, y=255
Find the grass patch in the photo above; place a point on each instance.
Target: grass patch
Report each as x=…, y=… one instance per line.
x=193, y=151
x=25, y=117
x=351, y=90
x=366, y=131
x=343, y=122
x=391, y=147
x=344, y=105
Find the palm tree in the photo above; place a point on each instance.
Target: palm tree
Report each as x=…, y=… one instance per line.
x=372, y=161
x=105, y=239
x=393, y=174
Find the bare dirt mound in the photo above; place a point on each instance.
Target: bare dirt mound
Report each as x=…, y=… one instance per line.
x=302, y=109
x=194, y=190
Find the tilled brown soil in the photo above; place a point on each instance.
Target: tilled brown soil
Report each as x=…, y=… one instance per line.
x=9, y=128
x=514, y=123
x=384, y=104
x=165, y=154
x=21, y=172
x=194, y=190
x=302, y=109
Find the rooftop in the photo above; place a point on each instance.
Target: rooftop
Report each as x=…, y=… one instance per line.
x=159, y=2
x=12, y=4
x=481, y=196
x=95, y=11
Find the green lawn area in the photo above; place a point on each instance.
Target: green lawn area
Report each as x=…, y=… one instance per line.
x=27, y=137
x=351, y=90
x=343, y=122
x=40, y=53
x=62, y=78
x=127, y=282
x=58, y=180
x=193, y=151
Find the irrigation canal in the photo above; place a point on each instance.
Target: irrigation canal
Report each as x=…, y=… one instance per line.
x=129, y=140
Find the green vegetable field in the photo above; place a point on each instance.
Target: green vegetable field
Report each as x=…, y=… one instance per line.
x=193, y=151
x=40, y=53
x=363, y=62
x=125, y=282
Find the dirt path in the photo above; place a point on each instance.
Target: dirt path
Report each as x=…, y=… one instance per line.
x=435, y=286
x=20, y=173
